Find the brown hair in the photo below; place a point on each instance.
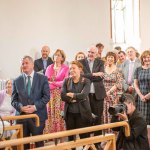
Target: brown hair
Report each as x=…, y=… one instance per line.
x=111, y=54
x=129, y=98
x=98, y=45
x=122, y=52
x=79, y=54
x=62, y=54
x=143, y=55
x=118, y=48
x=77, y=63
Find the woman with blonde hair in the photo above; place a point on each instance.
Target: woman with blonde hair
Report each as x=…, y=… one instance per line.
x=6, y=109
x=79, y=56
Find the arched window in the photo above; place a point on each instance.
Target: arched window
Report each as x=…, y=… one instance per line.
x=125, y=22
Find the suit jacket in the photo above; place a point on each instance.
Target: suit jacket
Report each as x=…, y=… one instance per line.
x=98, y=66
x=125, y=71
x=38, y=64
x=40, y=94
x=81, y=96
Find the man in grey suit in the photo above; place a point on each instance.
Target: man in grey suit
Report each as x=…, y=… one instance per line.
x=128, y=68
x=30, y=95
x=93, y=69
x=41, y=64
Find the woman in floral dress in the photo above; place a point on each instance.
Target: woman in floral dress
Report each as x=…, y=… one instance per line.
x=56, y=73
x=113, y=85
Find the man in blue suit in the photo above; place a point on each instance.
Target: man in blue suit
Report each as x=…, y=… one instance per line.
x=30, y=95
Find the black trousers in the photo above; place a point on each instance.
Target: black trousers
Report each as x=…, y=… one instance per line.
x=74, y=121
x=29, y=128
x=97, y=109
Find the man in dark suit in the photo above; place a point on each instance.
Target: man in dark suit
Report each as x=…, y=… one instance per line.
x=41, y=64
x=93, y=69
x=30, y=95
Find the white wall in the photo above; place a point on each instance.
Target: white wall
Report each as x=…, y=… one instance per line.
x=72, y=25
x=145, y=24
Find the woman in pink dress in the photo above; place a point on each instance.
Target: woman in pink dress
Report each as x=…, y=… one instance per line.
x=56, y=73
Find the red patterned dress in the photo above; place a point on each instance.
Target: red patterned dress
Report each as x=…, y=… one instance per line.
x=110, y=80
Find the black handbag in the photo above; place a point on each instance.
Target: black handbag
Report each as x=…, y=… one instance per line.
x=85, y=111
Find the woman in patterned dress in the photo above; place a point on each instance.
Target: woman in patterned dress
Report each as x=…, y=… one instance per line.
x=112, y=83
x=142, y=85
x=56, y=73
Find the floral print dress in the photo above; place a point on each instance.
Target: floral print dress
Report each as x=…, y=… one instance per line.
x=55, y=106
x=110, y=80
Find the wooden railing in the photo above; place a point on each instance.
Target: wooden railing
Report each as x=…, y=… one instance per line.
x=18, y=134
x=110, y=138
x=20, y=117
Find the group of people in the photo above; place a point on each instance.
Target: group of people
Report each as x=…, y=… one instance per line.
x=66, y=97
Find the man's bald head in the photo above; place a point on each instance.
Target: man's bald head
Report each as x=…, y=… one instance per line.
x=92, y=52
x=45, y=52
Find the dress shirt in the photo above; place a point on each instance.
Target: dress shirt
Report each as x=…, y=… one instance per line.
x=44, y=63
x=91, y=63
x=131, y=66
x=31, y=77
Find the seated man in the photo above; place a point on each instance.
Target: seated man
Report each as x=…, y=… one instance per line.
x=138, y=139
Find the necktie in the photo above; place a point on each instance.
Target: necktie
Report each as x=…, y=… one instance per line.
x=130, y=73
x=28, y=85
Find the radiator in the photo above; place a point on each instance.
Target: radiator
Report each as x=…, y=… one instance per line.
x=2, y=84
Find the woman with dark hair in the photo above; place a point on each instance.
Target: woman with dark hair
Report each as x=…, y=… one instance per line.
x=142, y=85
x=56, y=73
x=75, y=90
x=112, y=83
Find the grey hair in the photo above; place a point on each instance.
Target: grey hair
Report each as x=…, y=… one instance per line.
x=28, y=57
x=131, y=48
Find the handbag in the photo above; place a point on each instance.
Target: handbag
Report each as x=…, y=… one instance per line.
x=85, y=111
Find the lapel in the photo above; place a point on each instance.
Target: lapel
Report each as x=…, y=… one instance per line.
x=35, y=79
x=135, y=64
x=49, y=61
x=127, y=69
x=22, y=82
x=22, y=85
x=95, y=65
x=87, y=65
x=41, y=63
